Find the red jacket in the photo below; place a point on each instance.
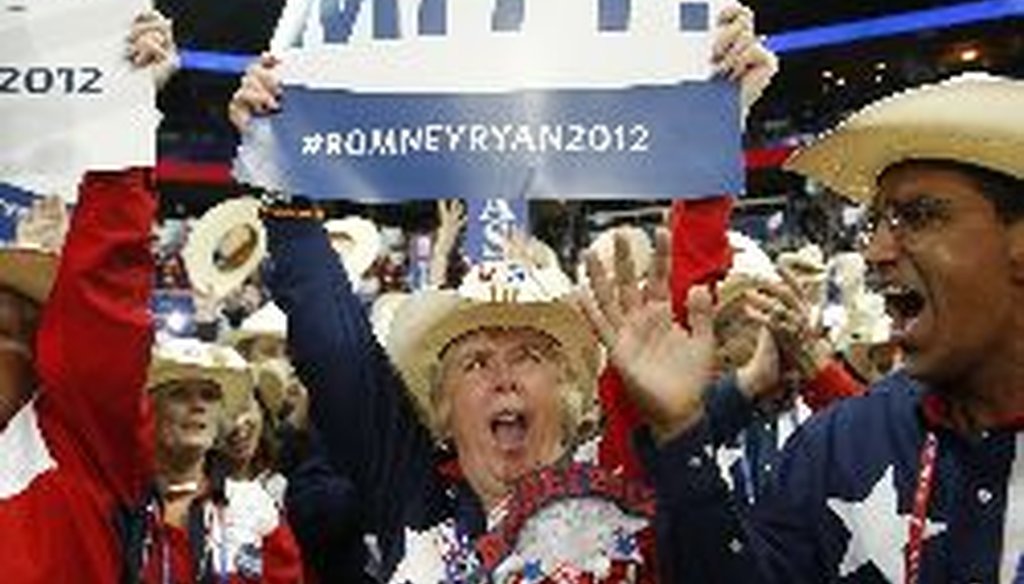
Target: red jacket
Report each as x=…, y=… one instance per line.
x=83, y=446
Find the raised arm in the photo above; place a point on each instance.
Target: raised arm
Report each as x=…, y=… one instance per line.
x=666, y=369
x=370, y=431
x=93, y=345
x=94, y=341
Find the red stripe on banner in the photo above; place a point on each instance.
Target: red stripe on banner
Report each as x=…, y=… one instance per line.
x=219, y=173
x=186, y=171
x=758, y=158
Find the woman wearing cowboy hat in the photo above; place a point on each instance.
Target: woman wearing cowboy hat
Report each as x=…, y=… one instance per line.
x=203, y=525
x=497, y=374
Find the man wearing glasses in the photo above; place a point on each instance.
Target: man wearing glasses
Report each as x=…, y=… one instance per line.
x=922, y=479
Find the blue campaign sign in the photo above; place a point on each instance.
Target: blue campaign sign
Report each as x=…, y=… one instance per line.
x=414, y=99
x=14, y=203
x=489, y=224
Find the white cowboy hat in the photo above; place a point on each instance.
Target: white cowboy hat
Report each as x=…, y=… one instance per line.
x=973, y=118
x=28, y=271
x=177, y=359
x=500, y=295
x=268, y=321
x=357, y=241
x=207, y=237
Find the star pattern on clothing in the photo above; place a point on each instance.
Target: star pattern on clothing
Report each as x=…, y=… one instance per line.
x=878, y=531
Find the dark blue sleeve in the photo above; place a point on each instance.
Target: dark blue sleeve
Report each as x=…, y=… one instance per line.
x=325, y=513
x=703, y=534
x=370, y=432
x=728, y=411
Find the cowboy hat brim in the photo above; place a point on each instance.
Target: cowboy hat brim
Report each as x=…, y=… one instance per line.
x=974, y=119
x=235, y=384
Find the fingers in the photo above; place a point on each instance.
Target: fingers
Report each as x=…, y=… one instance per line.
x=602, y=290
x=735, y=24
x=154, y=26
x=149, y=50
x=451, y=212
x=150, y=40
x=757, y=314
x=733, y=61
x=656, y=288
x=459, y=210
x=738, y=55
x=766, y=307
x=700, y=312
x=258, y=93
x=792, y=283
x=788, y=293
x=589, y=306
x=625, y=275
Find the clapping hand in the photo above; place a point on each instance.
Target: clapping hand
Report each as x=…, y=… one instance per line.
x=666, y=367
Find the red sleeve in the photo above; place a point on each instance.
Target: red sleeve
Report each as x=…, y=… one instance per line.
x=93, y=345
x=282, y=561
x=700, y=246
x=700, y=254
x=832, y=383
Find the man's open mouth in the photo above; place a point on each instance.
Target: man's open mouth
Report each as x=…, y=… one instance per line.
x=904, y=304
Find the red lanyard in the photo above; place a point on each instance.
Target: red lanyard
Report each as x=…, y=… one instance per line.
x=918, y=521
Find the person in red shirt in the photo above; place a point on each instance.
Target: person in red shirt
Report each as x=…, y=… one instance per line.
x=203, y=526
x=74, y=349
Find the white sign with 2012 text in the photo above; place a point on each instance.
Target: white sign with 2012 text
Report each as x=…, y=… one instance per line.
x=70, y=100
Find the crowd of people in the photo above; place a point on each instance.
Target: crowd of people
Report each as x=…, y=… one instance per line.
x=685, y=409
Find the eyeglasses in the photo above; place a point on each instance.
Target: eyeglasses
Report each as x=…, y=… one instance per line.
x=906, y=218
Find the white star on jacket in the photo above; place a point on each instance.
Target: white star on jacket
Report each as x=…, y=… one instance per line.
x=878, y=531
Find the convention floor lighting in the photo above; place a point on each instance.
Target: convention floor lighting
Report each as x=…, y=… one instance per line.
x=797, y=40
x=895, y=24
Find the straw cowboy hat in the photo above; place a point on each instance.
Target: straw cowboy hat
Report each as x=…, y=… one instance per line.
x=973, y=118
x=191, y=359
x=357, y=241
x=28, y=271
x=215, y=236
x=502, y=295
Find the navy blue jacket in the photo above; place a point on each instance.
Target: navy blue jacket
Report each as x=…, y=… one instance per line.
x=840, y=507
x=370, y=431
x=325, y=512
